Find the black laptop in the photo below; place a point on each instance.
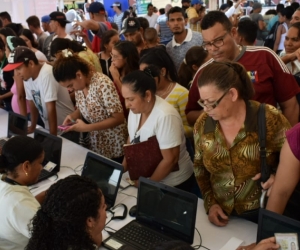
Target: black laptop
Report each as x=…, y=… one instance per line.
x=270, y=223
x=52, y=146
x=16, y=125
x=164, y=213
x=106, y=173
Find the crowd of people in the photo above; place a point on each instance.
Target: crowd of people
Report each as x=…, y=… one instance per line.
x=193, y=79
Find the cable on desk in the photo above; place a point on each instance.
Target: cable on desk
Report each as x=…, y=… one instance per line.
x=69, y=168
x=200, y=244
x=127, y=194
x=76, y=170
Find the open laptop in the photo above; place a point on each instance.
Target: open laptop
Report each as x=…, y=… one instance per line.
x=164, y=213
x=270, y=223
x=106, y=173
x=52, y=146
x=17, y=125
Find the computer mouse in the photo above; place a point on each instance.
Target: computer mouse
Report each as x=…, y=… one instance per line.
x=132, y=211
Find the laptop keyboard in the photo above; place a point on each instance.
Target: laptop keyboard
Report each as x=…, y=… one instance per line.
x=44, y=173
x=136, y=233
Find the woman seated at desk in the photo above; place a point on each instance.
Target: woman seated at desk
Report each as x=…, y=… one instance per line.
x=150, y=116
x=21, y=158
x=72, y=217
x=227, y=145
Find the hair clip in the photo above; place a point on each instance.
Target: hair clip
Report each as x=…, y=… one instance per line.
x=184, y=61
x=66, y=53
x=148, y=72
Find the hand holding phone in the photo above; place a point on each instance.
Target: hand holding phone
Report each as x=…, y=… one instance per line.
x=65, y=127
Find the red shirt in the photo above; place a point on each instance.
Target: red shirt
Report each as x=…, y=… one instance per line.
x=96, y=43
x=272, y=81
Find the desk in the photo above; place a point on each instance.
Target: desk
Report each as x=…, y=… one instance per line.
x=213, y=237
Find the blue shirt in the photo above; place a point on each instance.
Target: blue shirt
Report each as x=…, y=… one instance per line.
x=272, y=22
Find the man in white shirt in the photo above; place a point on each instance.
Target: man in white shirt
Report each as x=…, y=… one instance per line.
x=44, y=94
x=151, y=16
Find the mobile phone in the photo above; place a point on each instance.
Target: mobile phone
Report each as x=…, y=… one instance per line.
x=65, y=127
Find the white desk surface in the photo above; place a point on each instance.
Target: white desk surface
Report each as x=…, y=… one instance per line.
x=213, y=237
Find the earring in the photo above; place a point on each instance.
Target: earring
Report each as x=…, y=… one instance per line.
x=80, y=77
x=148, y=101
x=26, y=173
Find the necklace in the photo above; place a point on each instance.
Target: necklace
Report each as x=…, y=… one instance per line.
x=166, y=91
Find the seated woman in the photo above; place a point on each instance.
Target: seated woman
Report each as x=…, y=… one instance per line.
x=98, y=103
x=227, y=144
x=63, y=222
x=21, y=158
x=287, y=175
x=150, y=116
x=163, y=70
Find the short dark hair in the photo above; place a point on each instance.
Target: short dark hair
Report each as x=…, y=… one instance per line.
x=279, y=7
x=143, y=22
x=33, y=21
x=226, y=75
x=287, y=12
x=61, y=221
x=6, y=31
x=65, y=68
x=271, y=12
x=149, y=5
x=248, y=30
x=162, y=11
x=17, y=150
x=150, y=35
x=5, y=15
x=140, y=82
x=175, y=9
x=295, y=5
x=213, y=17
x=16, y=27
x=106, y=38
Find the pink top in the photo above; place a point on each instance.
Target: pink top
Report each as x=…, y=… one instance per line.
x=293, y=138
x=14, y=100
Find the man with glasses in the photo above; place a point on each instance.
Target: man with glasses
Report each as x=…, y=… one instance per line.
x=271, y=79
x=183, y=38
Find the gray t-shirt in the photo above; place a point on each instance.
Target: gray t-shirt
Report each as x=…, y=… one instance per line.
x=256, y=17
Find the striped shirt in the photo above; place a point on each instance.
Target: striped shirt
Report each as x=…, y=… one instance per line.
x=165, y=33
x=178, y=98
x=118, y=20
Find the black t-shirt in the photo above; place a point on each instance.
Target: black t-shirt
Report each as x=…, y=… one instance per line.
x=6, y=82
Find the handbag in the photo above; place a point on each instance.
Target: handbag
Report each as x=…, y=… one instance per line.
x=293, y=205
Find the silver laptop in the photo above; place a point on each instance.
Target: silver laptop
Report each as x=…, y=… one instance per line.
x=164, y=213
x=16, y=125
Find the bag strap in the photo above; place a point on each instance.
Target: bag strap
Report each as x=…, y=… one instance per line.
x=262, y=134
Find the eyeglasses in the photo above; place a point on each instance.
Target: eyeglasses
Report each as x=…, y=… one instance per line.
x=213, y=105
x=219, y=42
x=114, y=57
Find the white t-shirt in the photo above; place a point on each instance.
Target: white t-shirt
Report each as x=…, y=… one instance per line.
x=152, y=20
x=40, y=56
x=17, y=208
x=164, y=122
x=46, y=89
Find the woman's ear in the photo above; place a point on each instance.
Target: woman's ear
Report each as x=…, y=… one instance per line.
x=148, y=96
x=234, y=94
x=90, y=222
x=26, y=167
x=195, y=67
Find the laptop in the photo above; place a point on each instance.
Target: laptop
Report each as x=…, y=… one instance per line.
x=106, y=173
x=52, y=146
x=164, y=213
x=17, y=125
x=270, y=223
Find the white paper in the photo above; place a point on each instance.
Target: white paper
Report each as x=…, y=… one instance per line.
x=233, y=243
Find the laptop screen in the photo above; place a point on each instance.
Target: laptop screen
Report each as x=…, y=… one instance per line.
x=52, y=146
x=167, y=208
x=270, y=223
x=106, y=173
x=17, y=125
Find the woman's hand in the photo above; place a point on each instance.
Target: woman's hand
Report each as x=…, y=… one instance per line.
x=68, y=120
x=217, y=217
x=114, y=72
x=266, y=244
x=266, y=185
x=79, y=126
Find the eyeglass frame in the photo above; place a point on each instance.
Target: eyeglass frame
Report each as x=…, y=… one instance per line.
x=214, y=104
x=114, y=57
x=219, y=39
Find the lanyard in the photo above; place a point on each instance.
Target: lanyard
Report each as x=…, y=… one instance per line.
x=10, y=181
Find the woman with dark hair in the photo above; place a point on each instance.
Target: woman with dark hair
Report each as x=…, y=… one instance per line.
x=125, y=59
x=194, y=58
x=16, y=27
x=32, y=44
x=151, y=116
x=21, y=159
x=227, y=156
x=163, y=70
x=5, y=32
x=6, y=80
x=109, y=39
x=72, y=216
x=85, y=53
x=97, y=102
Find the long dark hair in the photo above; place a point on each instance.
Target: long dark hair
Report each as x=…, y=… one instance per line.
x=60, y=223
x=60, y=44
x=129, y=51
x=27, y=33
x=106, y=38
